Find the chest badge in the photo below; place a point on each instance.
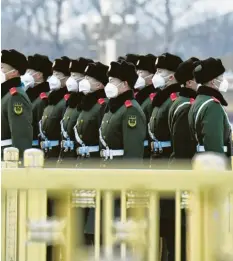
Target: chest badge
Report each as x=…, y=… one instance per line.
x=18, y=108
x=132, y=121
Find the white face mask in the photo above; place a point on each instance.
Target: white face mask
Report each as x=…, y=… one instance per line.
x=111, y=90
x=72, y=84
x=3, y=75
x=85, y=86
x=54, y=83
x=27, y=80
x=158, y=81
x=140, y=83
x=224, y=85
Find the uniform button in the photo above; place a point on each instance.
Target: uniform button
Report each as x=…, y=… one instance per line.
x=107, y=121
x=81, y=136
x=102, y=122
x=104, y=137
x=46, y=116
x=81, y=121
x=68, y=118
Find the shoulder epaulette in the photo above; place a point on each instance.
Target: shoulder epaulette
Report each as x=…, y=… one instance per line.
x=192, y=100
x=13, y=91
x=128, y=103
x=173, y=96
x=43, y=95
x=101, y=101
x=67, y=96
x=152, y=95
x=215, y=99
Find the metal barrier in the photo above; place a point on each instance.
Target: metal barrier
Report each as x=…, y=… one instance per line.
x=209, y=207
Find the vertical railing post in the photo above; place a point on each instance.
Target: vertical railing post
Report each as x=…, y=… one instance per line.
x=36, y=205
x=11, y=160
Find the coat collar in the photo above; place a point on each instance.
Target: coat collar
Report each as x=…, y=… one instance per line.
x=7, y=85
x=56, y=96
x=143, y=94
x=115, y=103
x=204, y=90
x=34, y=92
x=164, y=94
x=89, y=100
x=188, y=93
x=75, y=100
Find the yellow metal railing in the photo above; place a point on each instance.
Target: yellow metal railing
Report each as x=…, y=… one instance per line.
x=24, y=198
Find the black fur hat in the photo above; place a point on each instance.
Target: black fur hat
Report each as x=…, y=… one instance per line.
x=207, y=70
x=168, y=61
x=146, y=63
x=40, y=63
x=79, y=65
x=132, y=58
x=62, y=65
x=123, y=71
x=98, y=71
x=184, y=71
x=15, y=59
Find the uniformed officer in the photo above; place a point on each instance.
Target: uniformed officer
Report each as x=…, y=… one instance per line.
x=16, y=107
x=123, y=128
x=158, y=129
x=145, y=91
x=183, y=148
x=209, y=123
x=161, y=149
x=77, y=68
x=93, y=106
x=50, y=129
x=86, y=130
x=35, y=81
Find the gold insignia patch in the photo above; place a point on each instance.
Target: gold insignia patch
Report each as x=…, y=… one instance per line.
x=132, y=121
x=18, y=108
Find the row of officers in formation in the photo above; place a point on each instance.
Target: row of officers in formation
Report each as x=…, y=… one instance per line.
x=142, y=106
x=159, y=111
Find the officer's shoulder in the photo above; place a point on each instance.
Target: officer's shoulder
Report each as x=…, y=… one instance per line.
x=43, y=96
x=102, y=101
x=16, y=91
x=132, y=106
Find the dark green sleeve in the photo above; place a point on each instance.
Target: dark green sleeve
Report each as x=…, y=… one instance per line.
x=21, y=123
x=134, y=135
x=182, y=143
x=212, y=128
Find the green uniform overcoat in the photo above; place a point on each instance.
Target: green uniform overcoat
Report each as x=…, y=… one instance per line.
x=183, y=148
x=158, y=125
x=16, y=113
x=209, y=124
x=145, y=98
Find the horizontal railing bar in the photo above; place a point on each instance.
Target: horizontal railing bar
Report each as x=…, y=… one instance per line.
x=113, y=179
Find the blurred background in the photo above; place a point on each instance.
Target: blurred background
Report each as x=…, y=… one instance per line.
x=105, y=29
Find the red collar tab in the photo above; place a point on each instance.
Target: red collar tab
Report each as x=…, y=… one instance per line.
x=173, y=96
x=152, y=95
x=67, y=96
x=101, y=101
x=43, y=95
x=13, y=91
x=128, y=104
x=215, y=99
x=192, y=100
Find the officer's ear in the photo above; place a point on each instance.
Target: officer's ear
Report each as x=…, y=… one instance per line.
x=171, y=77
